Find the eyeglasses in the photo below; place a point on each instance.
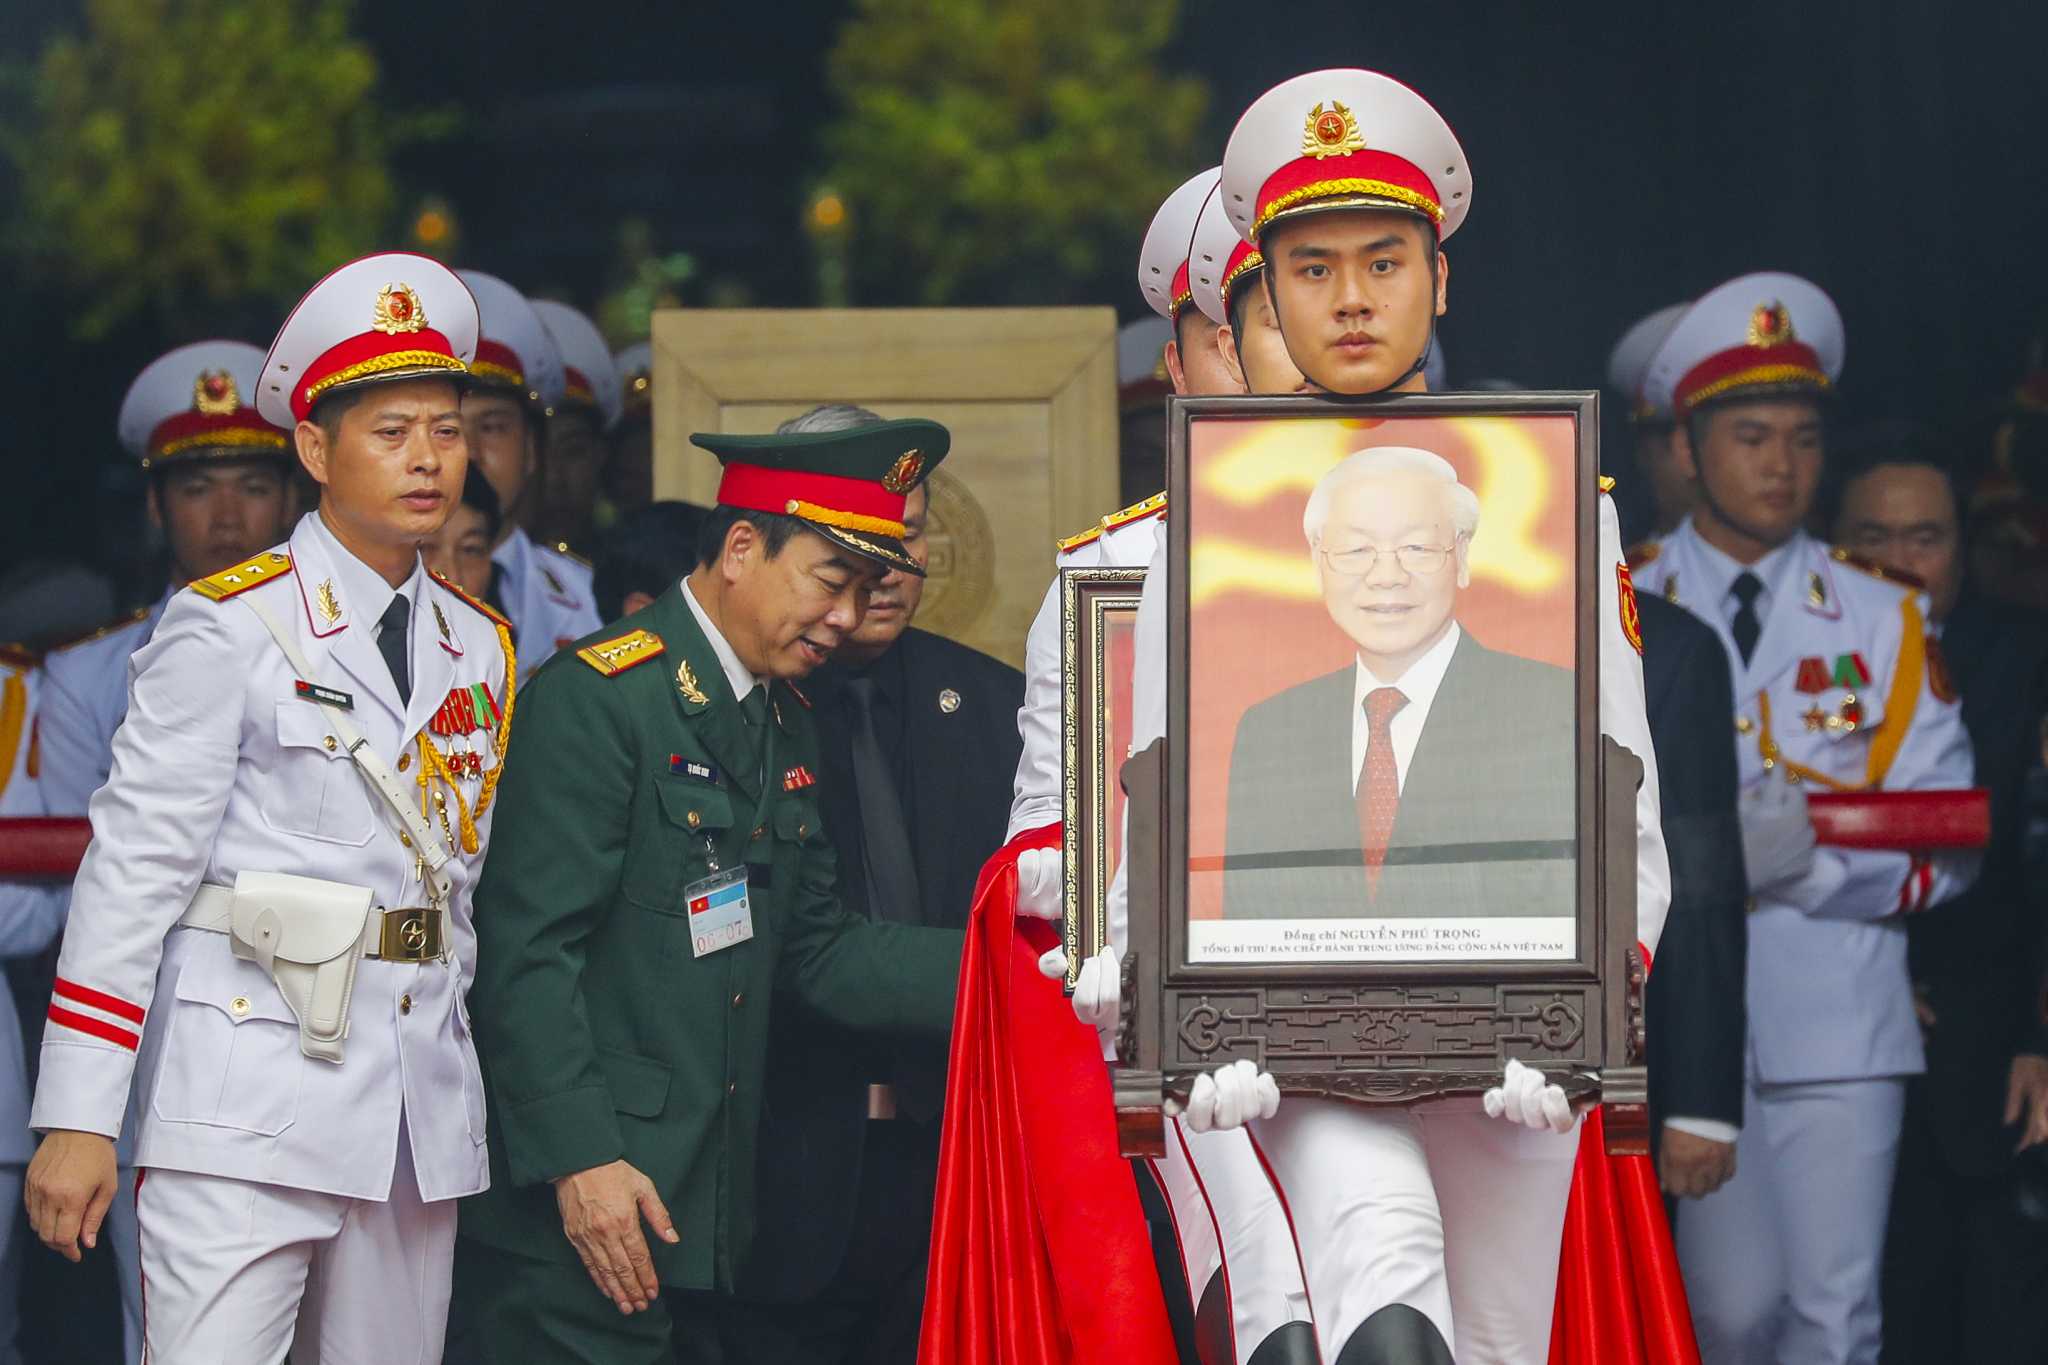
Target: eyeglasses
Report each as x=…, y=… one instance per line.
x=1358, y=560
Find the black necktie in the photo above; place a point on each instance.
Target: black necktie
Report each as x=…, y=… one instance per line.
x=391, y=644
x=884, y=837
x=1747, y=628
x=754, y=711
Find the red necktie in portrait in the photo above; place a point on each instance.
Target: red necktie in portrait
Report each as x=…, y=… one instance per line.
x=1379, y=786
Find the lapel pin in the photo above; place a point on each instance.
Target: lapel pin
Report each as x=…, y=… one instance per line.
x=1816, y=590
x=329, y=604
x=686, y=682
x=949, y=701
x=440, y=620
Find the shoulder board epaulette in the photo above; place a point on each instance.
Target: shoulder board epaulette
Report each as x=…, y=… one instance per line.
x=1137, y=511
x=1606, y=482
x=1877, y=570
x=562, y=549
x=100, y=632
x=1641, y=553
x=264, y=568
x=19, y=657
x=613, y=657
x=483, y=608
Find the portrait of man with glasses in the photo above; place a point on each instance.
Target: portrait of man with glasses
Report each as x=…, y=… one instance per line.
x=1430, y=776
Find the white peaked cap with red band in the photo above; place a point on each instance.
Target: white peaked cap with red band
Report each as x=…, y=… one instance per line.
x=1755, y=336
x=1629, y=361
x=1338, y=139
x=395, y=315
x=1219, y=261
x=196, y=401
x=589, y=375
x=513, y=348
x=1163, y=259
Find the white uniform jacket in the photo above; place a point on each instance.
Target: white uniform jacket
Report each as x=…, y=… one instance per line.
x=222, y=766
x=547, y=594
x=1623, y=715
x=1829, y=996
x=85, y=697
x=1127, y=539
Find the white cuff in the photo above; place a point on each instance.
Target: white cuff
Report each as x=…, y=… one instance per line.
x=1713, y=1130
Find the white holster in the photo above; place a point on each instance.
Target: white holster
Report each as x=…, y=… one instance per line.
x=308, y=934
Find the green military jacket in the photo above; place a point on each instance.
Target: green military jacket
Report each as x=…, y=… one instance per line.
x=602, y=1036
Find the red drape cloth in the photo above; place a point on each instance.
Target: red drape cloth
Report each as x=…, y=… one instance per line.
x=1039, y=1251
x=1619, y=1297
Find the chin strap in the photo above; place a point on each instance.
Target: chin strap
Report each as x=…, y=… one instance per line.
x=1429, y=343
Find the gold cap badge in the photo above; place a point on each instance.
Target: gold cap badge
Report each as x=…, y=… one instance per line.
x=214, y=393
x=1770, y=325
x=902, y=476
x=397, y=310
x=1330, y=132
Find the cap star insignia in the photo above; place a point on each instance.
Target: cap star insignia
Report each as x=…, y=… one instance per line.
x=396, y=310
x=1770, y=324
x=1330, y=132
x=902, y=476
x=213, y=393
x=686, y=683
x=329, y=604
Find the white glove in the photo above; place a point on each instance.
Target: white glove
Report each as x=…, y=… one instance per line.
x=1777, y=834
x=1098, y=991
x=1231, y=1096
x=1522, y=1097
x=1041, y=873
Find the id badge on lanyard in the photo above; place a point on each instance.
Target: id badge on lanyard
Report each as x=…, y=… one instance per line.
x=721, y=912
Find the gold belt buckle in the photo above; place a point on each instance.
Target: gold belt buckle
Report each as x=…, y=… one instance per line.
x=410, y=934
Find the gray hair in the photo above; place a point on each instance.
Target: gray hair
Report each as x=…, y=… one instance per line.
x=829, y=417
x=1366, y=464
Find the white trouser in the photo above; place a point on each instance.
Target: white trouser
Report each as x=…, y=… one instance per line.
x=1457, y=1215
x=1260, y=1267
x=1781, y=1263
x=119, y=1235
x=226, y=1265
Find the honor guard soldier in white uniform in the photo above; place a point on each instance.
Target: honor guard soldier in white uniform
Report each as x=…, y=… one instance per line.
x=1404, y=1222
x=1649, y=424
x=579, y=428
x=1240, y=1262
x=30, y=915
x=1836, y=689
x=270, y=936
x=516, y=380
x=220, y=488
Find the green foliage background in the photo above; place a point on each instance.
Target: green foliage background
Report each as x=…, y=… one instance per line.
x=185, y=153
x=1005, y=151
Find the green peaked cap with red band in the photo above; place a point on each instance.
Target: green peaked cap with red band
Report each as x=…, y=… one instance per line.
x=848, y=486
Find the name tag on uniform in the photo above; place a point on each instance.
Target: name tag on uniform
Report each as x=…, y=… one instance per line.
x=720, y=914
x=307, y=691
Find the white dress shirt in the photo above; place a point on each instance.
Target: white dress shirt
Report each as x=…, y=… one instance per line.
x=1418, y=683
x=736, y=675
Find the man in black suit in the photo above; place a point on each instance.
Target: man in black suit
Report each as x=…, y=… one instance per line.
x=1697, y=1015
x=1422, y=779
x=919, y=748
x=1965, y=1262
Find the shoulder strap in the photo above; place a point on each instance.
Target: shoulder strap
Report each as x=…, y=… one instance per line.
x=384, y=782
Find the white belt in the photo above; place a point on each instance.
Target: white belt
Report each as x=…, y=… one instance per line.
x=407, y=934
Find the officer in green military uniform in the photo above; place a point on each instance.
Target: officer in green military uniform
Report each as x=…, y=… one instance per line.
x=658, y=876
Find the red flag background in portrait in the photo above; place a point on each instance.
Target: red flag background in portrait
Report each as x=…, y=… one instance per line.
x=1256, y=620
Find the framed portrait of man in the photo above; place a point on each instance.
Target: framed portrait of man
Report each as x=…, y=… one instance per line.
x=1098, y=611
x=1393, y=848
